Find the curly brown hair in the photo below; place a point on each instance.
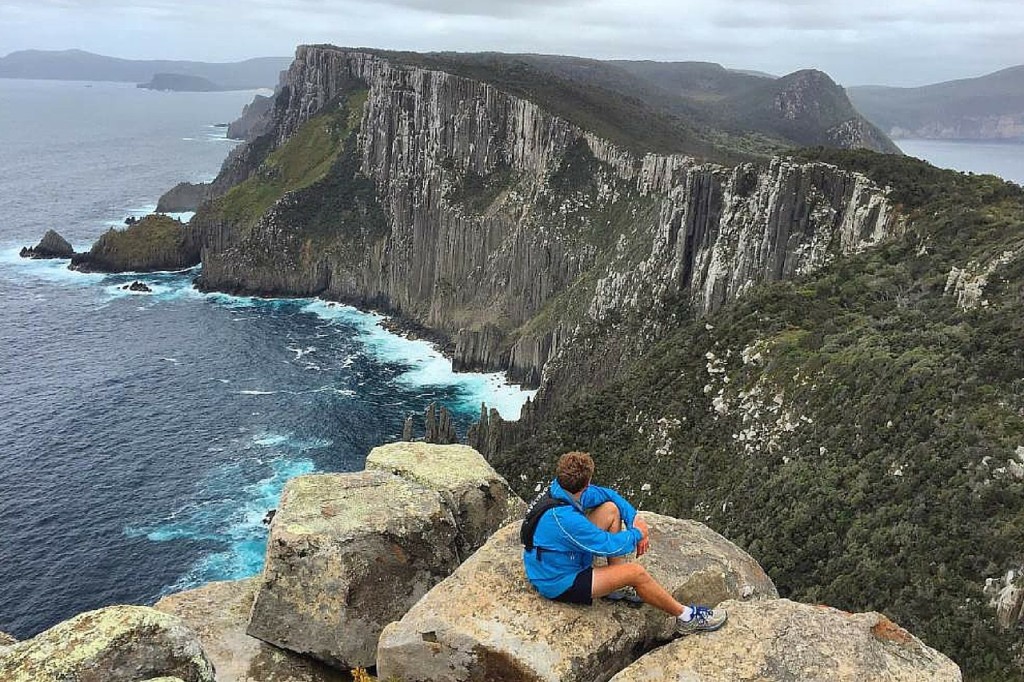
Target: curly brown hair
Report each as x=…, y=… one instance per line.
x=574, y=471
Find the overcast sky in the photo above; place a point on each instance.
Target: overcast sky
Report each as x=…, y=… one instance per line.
x=893, y=42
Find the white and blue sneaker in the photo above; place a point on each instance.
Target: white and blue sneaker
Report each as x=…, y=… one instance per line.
x=703, y=620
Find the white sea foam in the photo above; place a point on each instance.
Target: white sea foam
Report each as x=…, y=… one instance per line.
x=427, y=365
x=256, y=392
x=53, y=270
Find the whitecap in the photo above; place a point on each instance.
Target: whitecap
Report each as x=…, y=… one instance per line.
x=427, y=366
x=53, y=270
x=256, y=392
x=230, y=517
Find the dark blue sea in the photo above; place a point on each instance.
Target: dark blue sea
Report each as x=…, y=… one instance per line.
x=143, y=437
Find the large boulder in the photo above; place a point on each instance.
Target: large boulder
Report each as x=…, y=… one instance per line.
x=480, y=500
x=486, y=622
x=115, y=644
x=52, y=245
x=219, y=613
x=780, y=641
x=347, y=554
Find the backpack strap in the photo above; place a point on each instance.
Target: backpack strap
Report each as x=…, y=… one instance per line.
x=542, y=503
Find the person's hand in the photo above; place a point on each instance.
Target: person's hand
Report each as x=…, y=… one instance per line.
x=645, y=543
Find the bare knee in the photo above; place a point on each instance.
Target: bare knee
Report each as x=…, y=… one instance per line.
x=638, y=575
x=606, y=516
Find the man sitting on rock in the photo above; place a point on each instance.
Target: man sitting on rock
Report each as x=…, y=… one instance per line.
x=572, y=522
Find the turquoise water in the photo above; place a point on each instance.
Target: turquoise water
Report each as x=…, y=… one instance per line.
x=143, y=437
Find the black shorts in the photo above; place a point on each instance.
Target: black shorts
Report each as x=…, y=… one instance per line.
x=582, y=589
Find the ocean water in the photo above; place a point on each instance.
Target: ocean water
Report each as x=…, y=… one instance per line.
x=143, y=437
x=1005, y=159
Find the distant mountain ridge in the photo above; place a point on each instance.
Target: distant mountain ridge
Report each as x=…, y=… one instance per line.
x=250, y=74
x=989, y=107
x=696, y=108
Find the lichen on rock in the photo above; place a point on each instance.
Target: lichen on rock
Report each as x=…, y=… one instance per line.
x=347, y=554
x=219, y=614
x=113, y=644
x=780, y=640
x=486, y=622
x=479, y=499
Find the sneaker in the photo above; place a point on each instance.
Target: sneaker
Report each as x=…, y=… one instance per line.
x=704, y=620
x=626, y=595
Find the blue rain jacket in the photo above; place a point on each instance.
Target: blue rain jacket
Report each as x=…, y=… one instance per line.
x=568, y=541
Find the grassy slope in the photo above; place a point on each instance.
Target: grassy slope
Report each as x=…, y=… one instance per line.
x=865, y=484
x=304, y=160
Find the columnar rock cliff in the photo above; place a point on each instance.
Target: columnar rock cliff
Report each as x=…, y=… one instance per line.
x=510, y=231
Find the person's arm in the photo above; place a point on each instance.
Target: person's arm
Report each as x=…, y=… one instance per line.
x=595, y=496
x=576, y=531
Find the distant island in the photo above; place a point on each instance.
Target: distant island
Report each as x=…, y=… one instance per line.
x=77, y=65
x=989, y=107
x=180, y=83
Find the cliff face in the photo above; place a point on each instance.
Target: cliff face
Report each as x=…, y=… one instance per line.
x=509, y=230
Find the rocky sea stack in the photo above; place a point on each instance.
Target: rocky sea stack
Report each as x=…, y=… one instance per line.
x=52, y=245
x=157, y=242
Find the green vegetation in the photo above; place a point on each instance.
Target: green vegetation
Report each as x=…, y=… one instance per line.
x=476, y=193
x=692, y=108
x=304, y=160
x=156, y=242
x=864, y=452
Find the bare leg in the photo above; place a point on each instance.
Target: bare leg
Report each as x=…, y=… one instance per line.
x=609, y=578
x=607, y=517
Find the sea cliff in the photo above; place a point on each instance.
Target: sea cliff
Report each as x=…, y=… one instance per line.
x=507, y=229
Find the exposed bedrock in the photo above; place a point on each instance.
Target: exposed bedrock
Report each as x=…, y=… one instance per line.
x=349, y=553
x=512, y=231
x=780, y=640
x=183, y=197
x=485, y=622
x=479, y=499
x=114, y=644
x=52, y=245
x=218, y=613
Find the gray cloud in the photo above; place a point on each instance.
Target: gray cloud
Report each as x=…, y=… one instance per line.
x=872, y=41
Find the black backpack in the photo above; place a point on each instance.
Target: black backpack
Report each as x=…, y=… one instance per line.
x=540, y=504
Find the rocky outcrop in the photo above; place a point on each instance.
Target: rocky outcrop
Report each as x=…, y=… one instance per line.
x=255, y=120
x=780, y=640
x=219, y=613
x=514, y=232
x=183, y=197
x=155, y=243
x=485, y=622
x=6, y=641
x=115, y=644
x=347, y=554
x=478, y=498
x=52, y=245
